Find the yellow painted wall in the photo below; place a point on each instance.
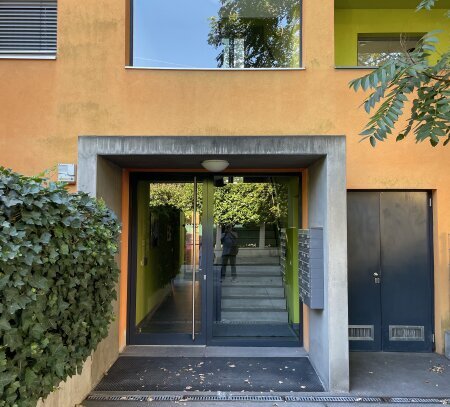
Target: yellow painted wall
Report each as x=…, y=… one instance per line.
x=46, y=105
x=350, y=22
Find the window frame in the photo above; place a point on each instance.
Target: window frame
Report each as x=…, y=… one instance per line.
x=133, y=67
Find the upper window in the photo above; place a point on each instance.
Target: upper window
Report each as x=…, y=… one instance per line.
x=375, y=49
x=216, y=34
x=28, y=28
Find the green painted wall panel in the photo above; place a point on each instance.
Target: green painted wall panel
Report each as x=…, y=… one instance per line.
x=291, y=285
x=350, y=22
x=156, y=264
x=142, y=281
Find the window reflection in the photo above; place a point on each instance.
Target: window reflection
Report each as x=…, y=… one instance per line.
x=216, y=33
x=376, y=49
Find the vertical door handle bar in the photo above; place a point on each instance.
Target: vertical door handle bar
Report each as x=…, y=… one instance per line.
x=194, y=255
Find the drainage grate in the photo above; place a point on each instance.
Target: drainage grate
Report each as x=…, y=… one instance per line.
x=164, y=397
x=335, y=399
x=97, y=397
x=232, y=397
x=262, y=398
x=412, y=400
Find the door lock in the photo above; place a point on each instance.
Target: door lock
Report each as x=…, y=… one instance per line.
x=377, y=278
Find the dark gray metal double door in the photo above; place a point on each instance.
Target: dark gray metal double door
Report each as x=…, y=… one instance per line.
x=390, y=271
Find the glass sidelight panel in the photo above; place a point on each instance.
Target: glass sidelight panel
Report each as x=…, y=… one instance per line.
x=255, y=282
x=169, y=255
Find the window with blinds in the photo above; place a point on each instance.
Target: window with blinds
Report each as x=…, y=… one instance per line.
x=28, y=28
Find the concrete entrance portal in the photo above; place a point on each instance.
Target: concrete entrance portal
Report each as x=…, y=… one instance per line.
x=103, y=165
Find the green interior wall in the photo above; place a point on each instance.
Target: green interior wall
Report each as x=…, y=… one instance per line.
x=143, y=282
x=291, y=285
x=181, y=239
x=350, y=22
x=157, y=265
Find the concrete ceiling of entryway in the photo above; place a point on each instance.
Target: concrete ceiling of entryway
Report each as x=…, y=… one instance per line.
x=194, y=161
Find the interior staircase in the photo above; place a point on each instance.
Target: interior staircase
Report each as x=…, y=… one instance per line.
x=256, y=295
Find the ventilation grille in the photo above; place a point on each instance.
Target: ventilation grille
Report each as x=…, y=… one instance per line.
x=361, y=332
x=406, y=333
x=28, y=28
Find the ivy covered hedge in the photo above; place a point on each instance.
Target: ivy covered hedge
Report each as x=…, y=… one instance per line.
x=57, y=282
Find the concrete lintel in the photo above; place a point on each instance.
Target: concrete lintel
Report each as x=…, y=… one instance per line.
x=207, y=145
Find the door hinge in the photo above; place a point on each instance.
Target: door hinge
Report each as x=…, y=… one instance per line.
x=430, y=202
x=433, y=338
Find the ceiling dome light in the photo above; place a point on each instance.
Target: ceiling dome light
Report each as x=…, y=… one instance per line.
x=215, y=165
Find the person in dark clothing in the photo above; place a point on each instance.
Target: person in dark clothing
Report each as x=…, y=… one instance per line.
x=229, y=251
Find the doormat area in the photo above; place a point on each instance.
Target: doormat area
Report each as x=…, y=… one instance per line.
x=211, y=374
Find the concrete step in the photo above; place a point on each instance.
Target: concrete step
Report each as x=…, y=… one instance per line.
x=231, y=291
x=254, y=315
x=253, y=275
x=257, y=260
x=254, y=303
x=256, y=280
x=255, y=268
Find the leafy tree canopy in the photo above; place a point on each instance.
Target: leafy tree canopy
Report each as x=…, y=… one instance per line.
x=234, y=203
x=421, y=76
x=248, y=203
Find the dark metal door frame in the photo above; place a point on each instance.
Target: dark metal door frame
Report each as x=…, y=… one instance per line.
x=159, y=338
x=205, y=337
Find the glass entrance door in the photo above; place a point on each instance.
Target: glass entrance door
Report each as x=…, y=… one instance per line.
x=254, y=270
x=167, y=284
x=213, y=260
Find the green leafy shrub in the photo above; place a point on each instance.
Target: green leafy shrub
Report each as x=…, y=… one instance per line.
x=57, y=282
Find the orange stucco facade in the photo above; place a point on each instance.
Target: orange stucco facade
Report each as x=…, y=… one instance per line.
x=88, y=90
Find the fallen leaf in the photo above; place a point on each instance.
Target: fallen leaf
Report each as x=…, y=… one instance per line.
x=437, y=369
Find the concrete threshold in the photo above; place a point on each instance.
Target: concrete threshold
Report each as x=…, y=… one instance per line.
x=212, y=351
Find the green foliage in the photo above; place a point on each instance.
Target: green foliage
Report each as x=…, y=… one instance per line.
x=180, y=196
x=426, y=4
x=421, y=76
x=234, y=203
x=248, y=203
x=57, y=281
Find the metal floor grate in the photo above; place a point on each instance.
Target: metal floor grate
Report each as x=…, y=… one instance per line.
x=265, y=398
x=210, y=374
